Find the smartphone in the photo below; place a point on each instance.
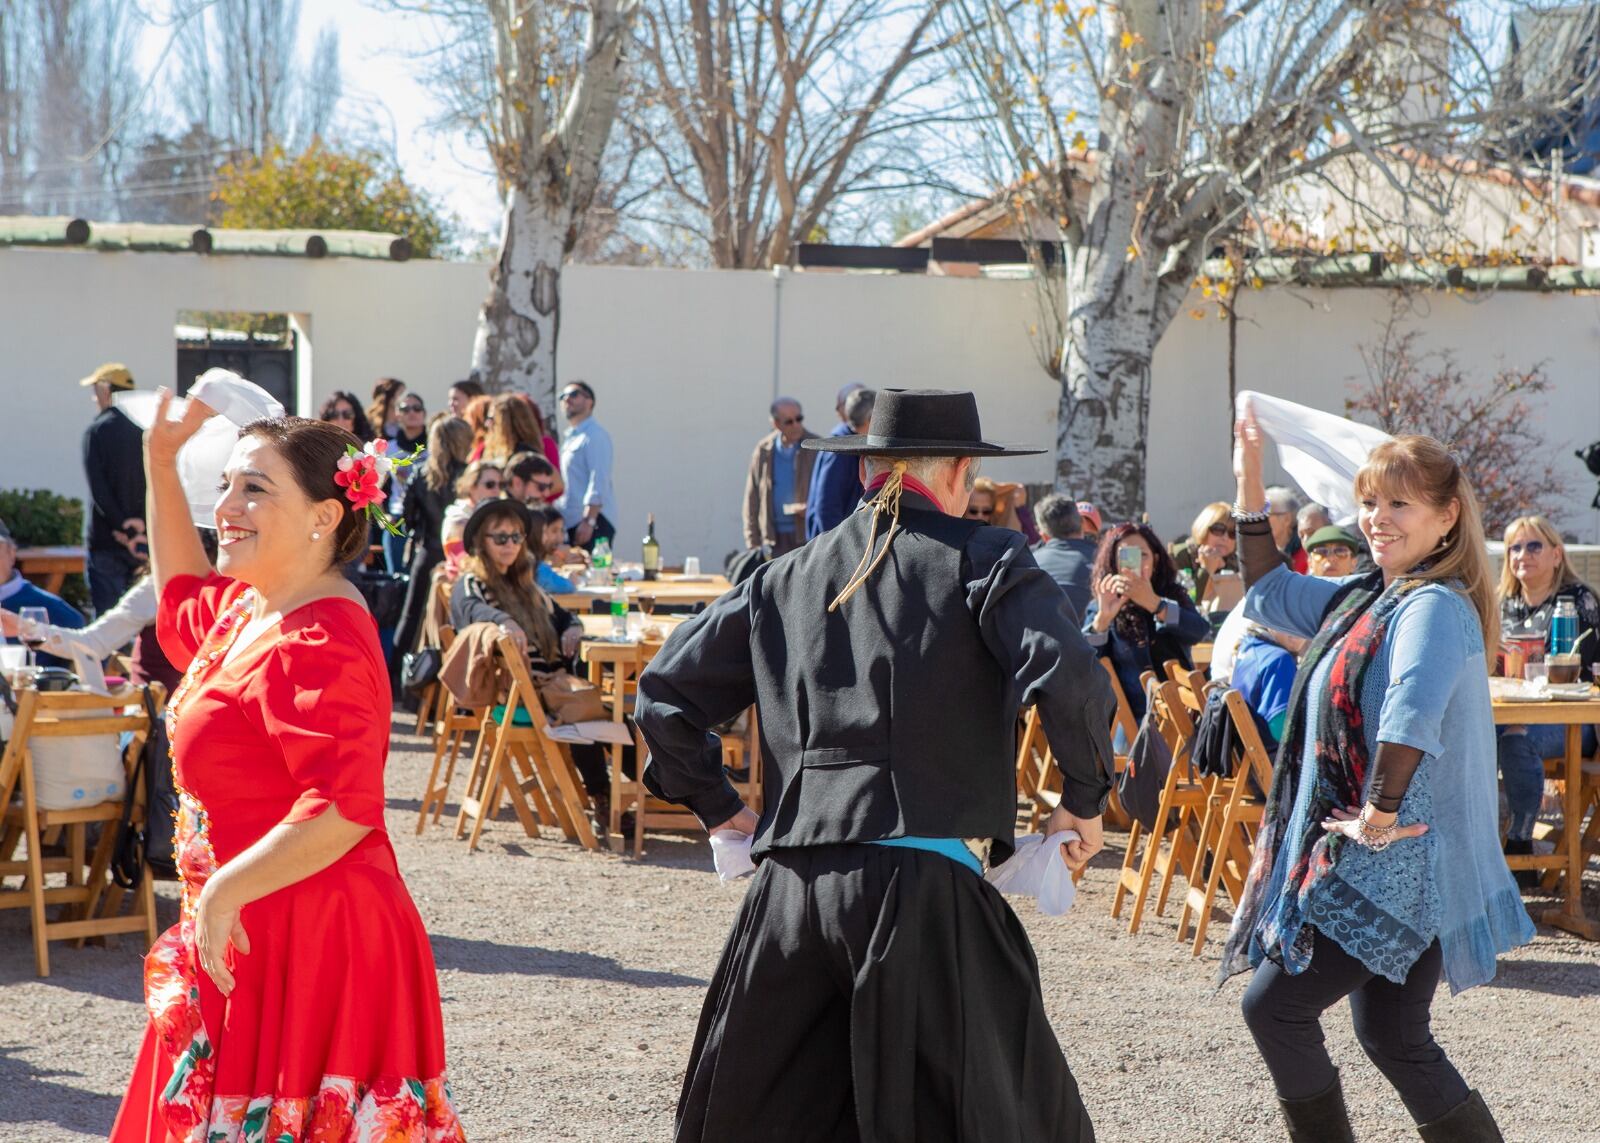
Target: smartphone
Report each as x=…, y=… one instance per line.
x=1130, y=560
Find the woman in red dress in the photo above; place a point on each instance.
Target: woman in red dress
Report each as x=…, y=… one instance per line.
x=296, y=998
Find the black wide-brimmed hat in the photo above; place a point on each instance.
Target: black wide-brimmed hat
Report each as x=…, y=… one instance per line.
x=499, y=507
x=921, y=422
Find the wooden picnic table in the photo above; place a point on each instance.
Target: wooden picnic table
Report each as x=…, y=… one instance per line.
x=1569, y=856
x=670, y=590
x=48, y=567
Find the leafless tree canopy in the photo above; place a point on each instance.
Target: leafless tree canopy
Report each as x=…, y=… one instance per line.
x=1150, y=133
x=762, y=119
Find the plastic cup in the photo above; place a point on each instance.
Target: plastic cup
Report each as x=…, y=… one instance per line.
x=691, y=565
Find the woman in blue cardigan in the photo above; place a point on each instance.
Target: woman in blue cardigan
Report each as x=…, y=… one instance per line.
x=1378, y=867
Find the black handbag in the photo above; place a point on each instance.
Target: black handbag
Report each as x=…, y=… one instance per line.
x=149, y=844
x=419, y=670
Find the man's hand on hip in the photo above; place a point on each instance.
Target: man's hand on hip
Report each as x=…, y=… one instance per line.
x=1090, y=840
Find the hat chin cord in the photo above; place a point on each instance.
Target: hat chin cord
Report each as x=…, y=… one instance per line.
x=887, y=501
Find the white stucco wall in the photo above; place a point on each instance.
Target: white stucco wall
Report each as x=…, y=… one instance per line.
x=686, y=362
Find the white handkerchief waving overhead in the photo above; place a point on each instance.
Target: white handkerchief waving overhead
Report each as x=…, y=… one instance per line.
x=1037, y=870
x=237, y=403
x=1321, y=451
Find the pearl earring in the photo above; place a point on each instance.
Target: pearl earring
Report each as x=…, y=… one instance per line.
x=316, y=535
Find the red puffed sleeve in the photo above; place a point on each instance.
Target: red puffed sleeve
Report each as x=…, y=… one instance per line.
x=188, y=608
x=324, y=707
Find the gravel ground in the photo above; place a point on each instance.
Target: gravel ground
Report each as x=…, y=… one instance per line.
x=572, y=982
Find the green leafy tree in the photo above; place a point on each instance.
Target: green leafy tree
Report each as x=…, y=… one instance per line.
x=324, y=188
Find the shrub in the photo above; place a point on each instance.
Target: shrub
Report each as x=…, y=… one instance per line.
x=40, y=518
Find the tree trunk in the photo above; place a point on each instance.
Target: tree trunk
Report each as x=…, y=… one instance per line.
x=515, y=347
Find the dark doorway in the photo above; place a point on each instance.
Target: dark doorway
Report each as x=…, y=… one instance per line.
x=259, y=347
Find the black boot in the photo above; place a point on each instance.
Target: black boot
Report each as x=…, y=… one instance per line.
x=1525, y=878
x=1318, y=1118
x=1469, y=1122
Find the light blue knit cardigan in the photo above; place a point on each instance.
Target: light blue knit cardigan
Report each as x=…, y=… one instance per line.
x=1428, y=688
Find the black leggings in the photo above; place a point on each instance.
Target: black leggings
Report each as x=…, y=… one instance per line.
x=1391, y=1021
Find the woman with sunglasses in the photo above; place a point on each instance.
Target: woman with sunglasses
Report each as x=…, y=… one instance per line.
x=1208, y=548
x=1536, y=576
x=409, y=429
x=343, y=409
x=479, y=481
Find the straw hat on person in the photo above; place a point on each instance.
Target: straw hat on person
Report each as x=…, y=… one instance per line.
x=112, y=374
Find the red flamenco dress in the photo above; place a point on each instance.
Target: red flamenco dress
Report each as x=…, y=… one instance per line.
x=333, y=1030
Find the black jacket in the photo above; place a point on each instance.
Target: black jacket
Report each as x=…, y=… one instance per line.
x=113, y=462
x=896, y=714
x=423, y=511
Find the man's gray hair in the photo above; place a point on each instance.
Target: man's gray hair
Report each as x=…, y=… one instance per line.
x=1281, y=499
x=924, y=468
x=780, y=403
x=858, y=407
x=845, y=391
x=1311, y=512
x=1058, y=517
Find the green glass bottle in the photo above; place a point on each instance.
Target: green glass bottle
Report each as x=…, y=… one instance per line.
x=652, y=550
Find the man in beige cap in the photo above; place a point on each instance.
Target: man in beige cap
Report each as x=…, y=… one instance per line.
x=113, y=462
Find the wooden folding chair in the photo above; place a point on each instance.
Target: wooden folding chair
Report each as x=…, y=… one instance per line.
x=1171, y=847
x=452, y=723
x=53, y=715
x=435, y=698
x=547, y=786
x=1234, y=812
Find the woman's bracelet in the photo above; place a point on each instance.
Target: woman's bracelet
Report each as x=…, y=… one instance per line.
x=1375, y=838
x=1243, y=515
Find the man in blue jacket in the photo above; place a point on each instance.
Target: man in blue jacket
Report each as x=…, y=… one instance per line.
x=17, y=593
x=836, y=480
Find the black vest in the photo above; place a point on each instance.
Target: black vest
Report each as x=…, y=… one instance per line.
x=889, y=716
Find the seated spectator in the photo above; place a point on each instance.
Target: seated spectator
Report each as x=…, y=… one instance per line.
x=1002, y=506
x=1208, y=549
x=17, y=593
x=547, y=540
x=1140, y=615
x=479, y=481
x=1536, y=576
x=1065, y=554
x=1332, y=553
x=515, y=425
x=1263, y=672
x=1092, y=523
x=532, y=480
x=1309, y=521
x=342, y=409
x=497, y=585
x=1283, y=507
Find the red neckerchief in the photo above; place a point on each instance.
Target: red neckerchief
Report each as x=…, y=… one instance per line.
x=909, y=482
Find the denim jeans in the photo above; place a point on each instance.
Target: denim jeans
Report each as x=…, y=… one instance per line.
x=1522, y=752
x=394, y=554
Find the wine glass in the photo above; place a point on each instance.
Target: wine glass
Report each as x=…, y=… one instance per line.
x=33, y=625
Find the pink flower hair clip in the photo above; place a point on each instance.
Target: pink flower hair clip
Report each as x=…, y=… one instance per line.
x=361, y=473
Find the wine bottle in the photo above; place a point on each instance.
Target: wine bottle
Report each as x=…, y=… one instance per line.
x=652, y=550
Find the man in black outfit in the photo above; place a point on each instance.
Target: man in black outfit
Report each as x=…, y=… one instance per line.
x=113, y=462
x=875, y=987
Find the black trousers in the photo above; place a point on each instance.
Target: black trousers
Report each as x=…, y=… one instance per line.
x=604, y=529
x=1284, y=1014
x=881, y=995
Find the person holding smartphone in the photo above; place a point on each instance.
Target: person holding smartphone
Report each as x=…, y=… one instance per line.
x=1140, y=616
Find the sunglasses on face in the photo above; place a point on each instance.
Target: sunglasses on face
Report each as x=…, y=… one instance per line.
x=1532, y=547
x=543, y=485
x=979, y=513
x=572, y=395
x=1332, y=552
x=412, y=409
x=1219, y=530
x=491, y=484
x=785, y=422
x=504, y=537
x=341, y=415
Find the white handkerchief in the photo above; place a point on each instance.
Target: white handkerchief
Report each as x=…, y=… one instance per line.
x=1323, y=452
x=1037, y=870
x=730, y=849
